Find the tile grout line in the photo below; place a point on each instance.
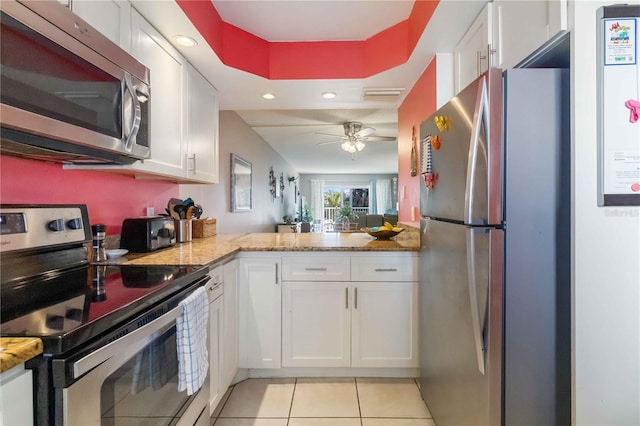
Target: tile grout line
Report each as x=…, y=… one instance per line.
x=293, y=395
x=355, y=380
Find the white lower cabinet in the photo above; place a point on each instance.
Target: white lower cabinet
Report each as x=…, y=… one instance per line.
x=369, y=321
x=230, y=353
x=16, y=400
x=260, y=300
x=216, y=347
x=316, y=324
x=384, y=324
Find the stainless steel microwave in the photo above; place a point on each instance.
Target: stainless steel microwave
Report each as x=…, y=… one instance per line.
x=68, y=94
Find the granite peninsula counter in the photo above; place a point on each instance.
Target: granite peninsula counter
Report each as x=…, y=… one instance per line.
x=203, y=251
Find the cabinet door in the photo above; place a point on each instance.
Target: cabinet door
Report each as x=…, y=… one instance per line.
x=230, y=356
x=166, y=68
x=316, y=324
x=470, y=55
x=384, y=324
x=521, y=27
x=216, y=346
x=16, y=402
x=260, y=312
x=202, y=129
x=111, y=17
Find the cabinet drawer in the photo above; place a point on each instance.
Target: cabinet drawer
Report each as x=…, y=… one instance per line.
x=316, y=268
x=384, y=268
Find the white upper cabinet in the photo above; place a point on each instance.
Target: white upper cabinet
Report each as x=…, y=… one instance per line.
x=505, y=33
x=471, y=55
x=202, y=128
x=167, y=69
x=521, y=27
x=111, y=17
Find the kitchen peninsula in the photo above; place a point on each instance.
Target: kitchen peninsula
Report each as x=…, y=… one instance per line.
x=204, y=251
x=306, y=304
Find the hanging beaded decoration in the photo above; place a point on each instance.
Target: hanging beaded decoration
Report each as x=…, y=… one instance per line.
x=426, y=169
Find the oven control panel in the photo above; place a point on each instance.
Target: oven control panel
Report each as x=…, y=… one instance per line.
x=36, y=226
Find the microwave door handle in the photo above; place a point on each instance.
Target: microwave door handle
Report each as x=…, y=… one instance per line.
x=479, y=116
x=478, y=340
x=136, y=114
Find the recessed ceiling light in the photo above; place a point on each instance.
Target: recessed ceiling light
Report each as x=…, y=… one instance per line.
x=269, y=96
x=329, y=95
x=185, y=41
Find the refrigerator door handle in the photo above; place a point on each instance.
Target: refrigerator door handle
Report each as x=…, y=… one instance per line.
x=480, y=115
x=473, y=298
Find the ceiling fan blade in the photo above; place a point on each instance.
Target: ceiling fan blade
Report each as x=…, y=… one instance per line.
x=365, y=132
x=329, y=134
x=379, y=139
x=330, y=142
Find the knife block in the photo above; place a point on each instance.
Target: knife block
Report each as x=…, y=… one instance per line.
x=202, y=228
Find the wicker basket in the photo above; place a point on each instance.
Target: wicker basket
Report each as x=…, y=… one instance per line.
x=204, y=228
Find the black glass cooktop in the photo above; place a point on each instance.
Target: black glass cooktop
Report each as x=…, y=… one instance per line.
x=70, y=308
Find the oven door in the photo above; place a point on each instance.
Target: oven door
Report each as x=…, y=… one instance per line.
x=133, y=380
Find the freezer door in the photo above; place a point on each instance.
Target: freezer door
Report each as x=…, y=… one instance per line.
x=456, y=363
x=466, y=156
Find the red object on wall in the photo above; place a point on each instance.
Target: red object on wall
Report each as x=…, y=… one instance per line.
x=419, y=104
x=109, y=197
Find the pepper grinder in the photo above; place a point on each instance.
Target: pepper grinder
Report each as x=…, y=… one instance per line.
x=99, y=242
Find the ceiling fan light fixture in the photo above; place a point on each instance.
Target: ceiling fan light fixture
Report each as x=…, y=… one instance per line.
x=329, y=95
x=269, y=96
x=359, y=145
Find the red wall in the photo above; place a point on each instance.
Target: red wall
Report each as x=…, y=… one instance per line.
x=109, y=197
x=419, y=104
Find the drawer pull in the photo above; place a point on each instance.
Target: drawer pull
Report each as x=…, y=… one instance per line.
x=316, y=269
x=346, y=297
x=386, y=270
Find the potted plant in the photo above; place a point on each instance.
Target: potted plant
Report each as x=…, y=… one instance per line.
x=345, y=216
x=306, y=219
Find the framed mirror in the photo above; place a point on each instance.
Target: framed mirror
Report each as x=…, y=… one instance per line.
x=240, y=184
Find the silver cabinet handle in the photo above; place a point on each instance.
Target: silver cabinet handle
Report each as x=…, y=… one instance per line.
x=346, y=297
x=355, y=299
x=386, y=270
x=193, y=169
x=316, y=269
x=276, y=273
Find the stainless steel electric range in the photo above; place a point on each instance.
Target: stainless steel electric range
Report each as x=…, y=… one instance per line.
x=109, y=332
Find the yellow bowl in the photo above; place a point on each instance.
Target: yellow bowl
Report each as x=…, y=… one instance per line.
x=382, y=234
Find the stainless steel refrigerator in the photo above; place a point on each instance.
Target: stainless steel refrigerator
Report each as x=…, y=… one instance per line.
x=495, y=252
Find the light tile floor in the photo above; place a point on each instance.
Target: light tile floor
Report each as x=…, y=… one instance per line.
x=323, y=402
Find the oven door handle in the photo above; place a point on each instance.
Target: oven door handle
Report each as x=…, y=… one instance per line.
x=139, y=338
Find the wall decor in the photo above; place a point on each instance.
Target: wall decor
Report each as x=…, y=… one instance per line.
x=241, y=181
x=272, y=184
x=281, y=188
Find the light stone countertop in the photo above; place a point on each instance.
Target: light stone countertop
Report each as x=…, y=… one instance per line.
x=203, y=251
x=16, y=350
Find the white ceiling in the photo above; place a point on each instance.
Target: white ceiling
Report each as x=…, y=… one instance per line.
x=290, y=122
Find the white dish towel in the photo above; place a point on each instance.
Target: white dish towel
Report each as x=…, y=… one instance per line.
x=191, y=328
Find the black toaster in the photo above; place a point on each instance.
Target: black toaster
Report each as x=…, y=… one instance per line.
x=144, y=234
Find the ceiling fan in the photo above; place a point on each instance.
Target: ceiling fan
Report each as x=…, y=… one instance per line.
x=355, y=137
